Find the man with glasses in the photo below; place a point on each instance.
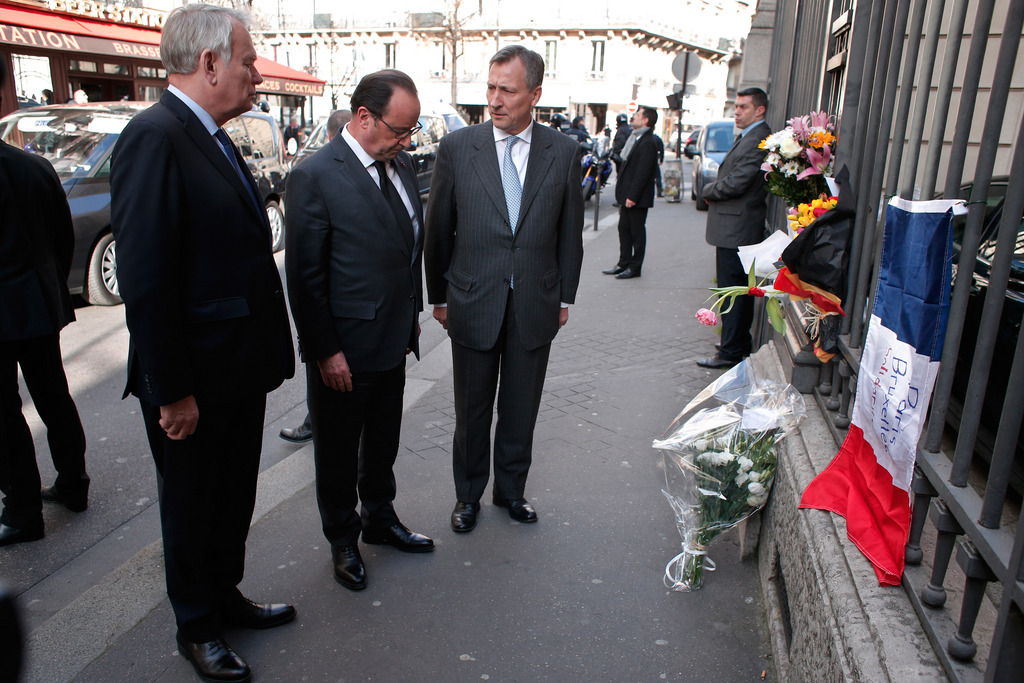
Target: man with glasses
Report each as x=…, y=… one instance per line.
x=353, y=261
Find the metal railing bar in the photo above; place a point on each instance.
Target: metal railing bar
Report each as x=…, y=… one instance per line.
x=1006, y=658
x=1005, y=449
x=906, y=95
x=982, y=364
x=882, y=126
x=944, y=94
x=994, y=545
x=969, y=243
x=924, y=79
x=866, y=36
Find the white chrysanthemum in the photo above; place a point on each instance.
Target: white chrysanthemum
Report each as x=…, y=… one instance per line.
x=742, y=478
x=756, y=489
x=745, y=463
x=755, y=476
x=791, y=168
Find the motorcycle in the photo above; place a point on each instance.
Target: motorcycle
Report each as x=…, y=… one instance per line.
x=596, y=169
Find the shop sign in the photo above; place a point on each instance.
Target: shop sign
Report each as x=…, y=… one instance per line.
x=57, y=40
x=289, y=87
x=113, y=13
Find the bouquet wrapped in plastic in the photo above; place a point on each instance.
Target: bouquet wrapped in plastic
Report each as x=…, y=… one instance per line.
x=720, y=459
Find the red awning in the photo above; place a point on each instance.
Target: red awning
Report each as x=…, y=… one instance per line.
x=35, y=29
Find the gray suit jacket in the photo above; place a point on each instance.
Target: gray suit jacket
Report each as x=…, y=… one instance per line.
x=470, y=250
x=354, y=274
x=737, y=200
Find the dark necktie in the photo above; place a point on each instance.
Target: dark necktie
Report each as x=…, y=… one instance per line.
x=737, y=138
x=229, y=149
x=394, y=200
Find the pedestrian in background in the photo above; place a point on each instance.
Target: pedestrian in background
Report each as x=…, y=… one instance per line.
x=354, y=265
x=661, y=159
x=209, y=328
x=634, y=193
x=503, y=255
x=737, y=207
x=36, y=243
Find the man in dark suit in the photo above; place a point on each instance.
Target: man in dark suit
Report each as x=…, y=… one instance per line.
x=209, y=327
x=36, y=242
x=503, y=255
x=634, y=193
x=354, y=281
x=737, y=206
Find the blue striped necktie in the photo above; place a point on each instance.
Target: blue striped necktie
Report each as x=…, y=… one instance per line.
x=229, y=149
x=510, y=181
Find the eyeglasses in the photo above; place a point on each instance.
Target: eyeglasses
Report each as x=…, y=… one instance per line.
x=399, y=134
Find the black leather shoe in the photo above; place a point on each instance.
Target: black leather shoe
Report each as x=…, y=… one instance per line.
x=214, y=660
x=300, y=434
x=9, y=535
x=397, y=536
x=613, y=271
x=52, y=494
x=349, y=570
x=464, y=516
x=718, y=347
x=716, y=362
x=627, y=274
x=519, y=509
x=248, y=614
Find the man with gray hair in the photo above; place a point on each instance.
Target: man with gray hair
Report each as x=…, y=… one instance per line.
x=503, y=252
x=209, y=329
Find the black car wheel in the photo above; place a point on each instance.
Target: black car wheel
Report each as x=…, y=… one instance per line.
x=276, y=219
x=698, y=197
x=101, y=283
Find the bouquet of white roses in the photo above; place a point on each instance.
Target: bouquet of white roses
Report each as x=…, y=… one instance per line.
x=720, y=459
x=799, y=157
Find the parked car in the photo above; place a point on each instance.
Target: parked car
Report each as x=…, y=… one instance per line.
x=436, y=123
x=78, y=140
x=1007, y=332
x=707, y=153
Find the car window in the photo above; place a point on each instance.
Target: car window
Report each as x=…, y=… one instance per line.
x=262, y=134
x=318, y=139
x=720, y=138
x=235, y=129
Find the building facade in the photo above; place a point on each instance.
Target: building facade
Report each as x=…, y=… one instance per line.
x=598, y=59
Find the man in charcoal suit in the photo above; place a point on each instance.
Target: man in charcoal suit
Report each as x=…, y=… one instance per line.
x=36, y=243
x=503, y=255
x=209, y=327
x=355, y=236
x=737, y=206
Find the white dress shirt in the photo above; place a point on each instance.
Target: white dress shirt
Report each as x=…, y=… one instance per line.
x=368, y=162
x=520, y=153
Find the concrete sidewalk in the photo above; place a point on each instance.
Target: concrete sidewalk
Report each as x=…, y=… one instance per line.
x=576, y=597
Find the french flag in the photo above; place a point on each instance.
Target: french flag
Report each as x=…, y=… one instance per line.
x=868, y=482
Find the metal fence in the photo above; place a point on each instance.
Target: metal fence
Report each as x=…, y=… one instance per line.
x=929, y=104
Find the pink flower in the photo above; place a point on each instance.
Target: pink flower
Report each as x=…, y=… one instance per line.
x=819, y=162
x=820, y=119
x=706, y=316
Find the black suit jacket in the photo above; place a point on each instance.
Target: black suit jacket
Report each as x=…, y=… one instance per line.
x=203, y=297
x=635, y=179
x=354, y=274
x=738, y=199
x=36, y=242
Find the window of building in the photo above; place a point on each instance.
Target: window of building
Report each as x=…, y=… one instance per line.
x=32, y=80
x=151, y=72
x=550, y=56
x=597, y=58
x=116, y=69
x=389, y=55
x=78, y=65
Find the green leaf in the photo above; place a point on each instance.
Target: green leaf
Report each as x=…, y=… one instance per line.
x=751, y=278
x=775, y=315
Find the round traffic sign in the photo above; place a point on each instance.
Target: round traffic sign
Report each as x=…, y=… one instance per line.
x=632, y=107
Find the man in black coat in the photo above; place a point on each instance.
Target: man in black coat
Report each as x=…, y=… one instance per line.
x=209, y=328
x=36, y=242
x=737, y=206
x=355, y=244
x=634, y=193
